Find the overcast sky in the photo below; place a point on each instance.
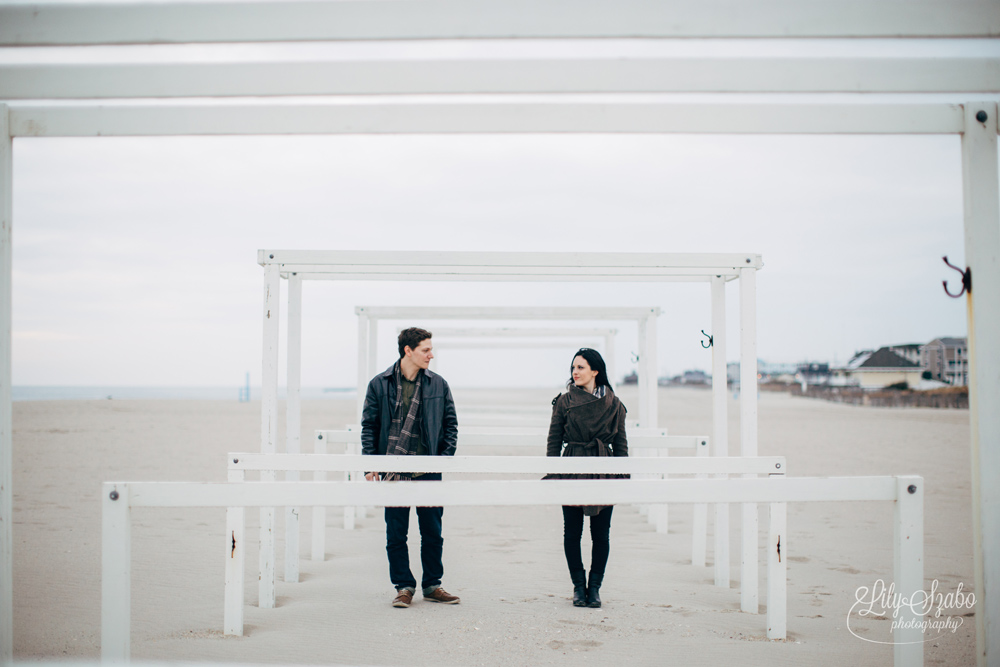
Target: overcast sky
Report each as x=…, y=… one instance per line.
x=135, y=258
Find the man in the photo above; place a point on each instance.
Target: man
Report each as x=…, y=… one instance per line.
x=409, y=410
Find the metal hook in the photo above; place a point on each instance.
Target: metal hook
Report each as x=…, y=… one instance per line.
x=635, y=358
x=966, y=280
x=711, y=340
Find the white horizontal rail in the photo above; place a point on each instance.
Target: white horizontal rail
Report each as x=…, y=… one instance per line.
x=120, y=497
x=519, y=313
x=502, y=76
x=530, y=437
x=507, y=266
x=398, y=116
x=520, y=332
x=507, y=344
x=542, y=431
x=68, y=23
x=679, y=465
x=362, y=273
x=510, y=492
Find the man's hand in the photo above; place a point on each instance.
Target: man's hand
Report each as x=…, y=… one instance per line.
x=371, y=476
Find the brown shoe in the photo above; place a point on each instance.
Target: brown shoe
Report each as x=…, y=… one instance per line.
x=441, y=595
x=403, y=598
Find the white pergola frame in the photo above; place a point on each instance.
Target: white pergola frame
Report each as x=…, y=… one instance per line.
x=118, y=499
x=645, y=317
x=715, y=269
x=975, y=121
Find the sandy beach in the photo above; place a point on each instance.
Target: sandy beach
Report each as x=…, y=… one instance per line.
x=505, y=563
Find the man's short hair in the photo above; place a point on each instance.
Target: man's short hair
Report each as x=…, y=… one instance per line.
x=411, y=337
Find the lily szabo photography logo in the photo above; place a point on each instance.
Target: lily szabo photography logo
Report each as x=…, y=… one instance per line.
x=930, y=611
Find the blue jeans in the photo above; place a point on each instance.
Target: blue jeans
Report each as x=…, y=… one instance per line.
x=397, y=524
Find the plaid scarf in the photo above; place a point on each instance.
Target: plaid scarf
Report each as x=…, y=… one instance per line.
x=401, y=440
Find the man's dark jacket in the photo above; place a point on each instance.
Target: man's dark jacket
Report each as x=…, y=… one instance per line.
x=438, y=423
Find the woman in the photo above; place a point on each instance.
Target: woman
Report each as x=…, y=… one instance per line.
x=590, y=419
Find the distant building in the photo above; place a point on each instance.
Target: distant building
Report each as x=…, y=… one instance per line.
x=813, y=373
x=947, y=359
x=695, y=377
x=781, y=372
x=881, y=368
x=909, y=351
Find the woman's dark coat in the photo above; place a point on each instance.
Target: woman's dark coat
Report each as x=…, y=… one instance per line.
x=590, y=426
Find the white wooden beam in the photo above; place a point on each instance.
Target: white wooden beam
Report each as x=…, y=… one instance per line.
x=155, y=23
x=518, y=332
x=472, y=263
x=609, y=358
x=116, y=573
x=269, y=427
x=373, y=348
x=651, y=378
x=235, y=556
x=511, y=492
x=504, y=312
x=720, y=423
x=699, y=516
x=908, y=570
x=318, y=511
x=699, y=464
x=293, y=420
x=748, y=434
x=777, y=572
x=6, y=423
x=364, y=341
x=508, y=115
x=489, y=76
x=494, y=436
x=982, y=256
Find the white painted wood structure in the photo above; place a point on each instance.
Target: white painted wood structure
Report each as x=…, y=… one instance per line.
x=120, y=497
x=77, y=114
x=646, y=318
x=299, y=265
x=699, y=465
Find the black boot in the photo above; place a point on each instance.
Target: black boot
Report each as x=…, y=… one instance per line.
x=594, y=591
x=579, y=588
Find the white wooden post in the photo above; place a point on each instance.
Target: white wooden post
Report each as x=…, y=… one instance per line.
x=319, y=512
x=651, y=379
x=293, y=419
x=748, y=432
x=363, y=344
x=699, y=517
x=908, y=569
x=643, y=371
x=269, y=427
x=372, y=349
x=116, y=574
x=982, y=256
x=609, y=359
x=6, y=429
x=236, y=549
x=777, y=569
x=659, y=514
x=720, y=422
x=361, y=511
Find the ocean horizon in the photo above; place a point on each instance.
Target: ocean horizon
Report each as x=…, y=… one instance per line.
x=231, y=393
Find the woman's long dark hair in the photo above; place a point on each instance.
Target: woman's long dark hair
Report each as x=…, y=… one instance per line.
x=596, y=362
